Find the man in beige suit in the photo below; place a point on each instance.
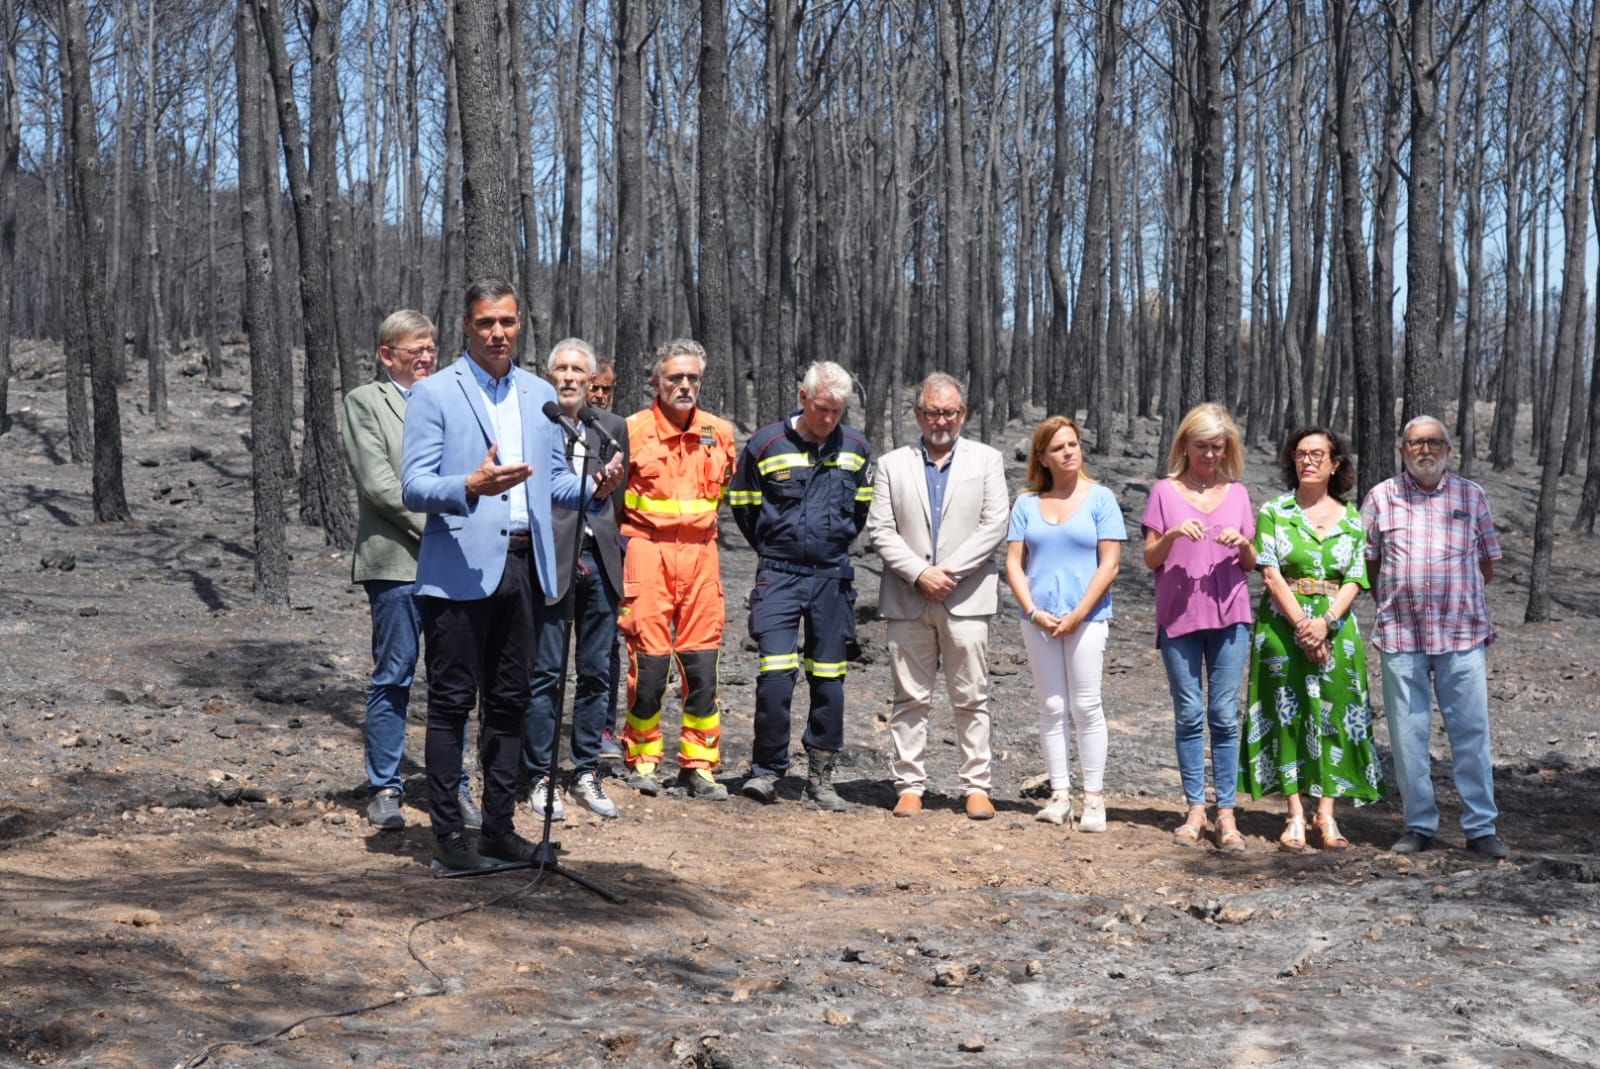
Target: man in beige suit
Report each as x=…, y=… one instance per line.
x=939, y=511
x=385, y=558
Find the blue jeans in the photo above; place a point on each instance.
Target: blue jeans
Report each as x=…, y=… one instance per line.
x=1218, y=655
x=595, y=625
x=396, y=628
x=1461, y=682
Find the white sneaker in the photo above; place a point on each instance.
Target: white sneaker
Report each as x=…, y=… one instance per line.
x=1059, y=809
x=586, y=789
x=558, y=808
x=1094, y=813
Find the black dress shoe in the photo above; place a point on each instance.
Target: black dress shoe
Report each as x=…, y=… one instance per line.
x=1412, y=842
x=1488, y=846
x=455, y=852
x=509, y=847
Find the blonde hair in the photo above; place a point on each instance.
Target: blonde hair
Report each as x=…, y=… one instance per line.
x=1039, y=477
x=398, y=326
x=1204, y=421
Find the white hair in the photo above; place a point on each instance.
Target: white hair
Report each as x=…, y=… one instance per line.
x=1405, y=432
x=827, y=379
x=576, y=345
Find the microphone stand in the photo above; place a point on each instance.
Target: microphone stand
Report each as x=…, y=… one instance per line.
x=546, y=854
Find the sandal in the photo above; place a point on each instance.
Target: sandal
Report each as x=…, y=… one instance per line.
x=1328, y=834
x=1229, y=838
x=1188, y=834
x=1294, y=834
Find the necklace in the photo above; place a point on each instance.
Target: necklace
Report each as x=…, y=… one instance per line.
x=1196, y=485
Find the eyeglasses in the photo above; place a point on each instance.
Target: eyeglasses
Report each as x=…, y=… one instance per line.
x=1436, y=444
x=682, y=380
x=942, y=415
x=1310, y=456
x=417, y=350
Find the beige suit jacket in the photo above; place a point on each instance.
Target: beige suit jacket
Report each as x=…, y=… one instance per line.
x=387, y=536
x=976, y=514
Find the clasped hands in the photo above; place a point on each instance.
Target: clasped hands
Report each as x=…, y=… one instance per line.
x=1311, y=634
x=1195, y=531
x=491, y=477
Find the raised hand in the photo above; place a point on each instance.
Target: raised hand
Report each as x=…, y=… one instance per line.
x=490, y=477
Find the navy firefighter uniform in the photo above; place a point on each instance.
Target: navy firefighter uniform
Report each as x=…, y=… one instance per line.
x=800, y=504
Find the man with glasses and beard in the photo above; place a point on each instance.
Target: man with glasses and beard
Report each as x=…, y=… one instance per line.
x=1431, y=545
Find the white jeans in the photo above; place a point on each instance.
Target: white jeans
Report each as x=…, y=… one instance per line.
x=1066, y=677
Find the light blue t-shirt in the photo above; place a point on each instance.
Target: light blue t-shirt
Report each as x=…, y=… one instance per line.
x=1062, y=557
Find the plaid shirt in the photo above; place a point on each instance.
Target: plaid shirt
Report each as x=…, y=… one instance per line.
x=1429, y=548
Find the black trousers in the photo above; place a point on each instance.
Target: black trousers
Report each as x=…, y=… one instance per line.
x=479, y=652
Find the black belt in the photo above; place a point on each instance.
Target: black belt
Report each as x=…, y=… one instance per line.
x=816, y=571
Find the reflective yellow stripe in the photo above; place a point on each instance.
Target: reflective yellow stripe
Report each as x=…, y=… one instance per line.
x=671, y=506
x=643, y=725
x=827, y=669
x=696, y=752
x=646, y=748
x=863, y=493
x=780, y=662
x=848, y=461
x=736, y=498
x=780, y=461
x=702, y=723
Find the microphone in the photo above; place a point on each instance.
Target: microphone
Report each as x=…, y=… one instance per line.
x=552, y=412
x=590, y=417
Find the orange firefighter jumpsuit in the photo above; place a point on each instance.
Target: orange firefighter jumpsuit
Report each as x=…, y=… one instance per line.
x=672, y=603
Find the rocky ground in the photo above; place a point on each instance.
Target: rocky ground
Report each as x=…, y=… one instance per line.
x=185, y=870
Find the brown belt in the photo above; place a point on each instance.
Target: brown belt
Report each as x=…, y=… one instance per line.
x=1308, y=587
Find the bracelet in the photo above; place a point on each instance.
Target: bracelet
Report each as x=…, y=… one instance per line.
x=1031, y=614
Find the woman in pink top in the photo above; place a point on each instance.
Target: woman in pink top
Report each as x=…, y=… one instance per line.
x=1198, y=539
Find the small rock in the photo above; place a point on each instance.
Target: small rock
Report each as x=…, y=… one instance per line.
x=148, y=462
x=1232, y=914
x=902, y=884
x=334, y=818
x=971, y=1045
x=950, y=974
x=88, y=610
x=855, y=954
x=835, y=1018
x=197, y=452
x=60, y=560
x=1130, y=913
x=1034, y=968
x=139, y=918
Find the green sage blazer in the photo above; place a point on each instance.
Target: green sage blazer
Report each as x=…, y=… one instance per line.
x=387, y=536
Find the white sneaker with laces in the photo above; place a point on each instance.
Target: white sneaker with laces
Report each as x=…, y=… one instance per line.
x=558, y=808
x=1058, y=810
x=587, y=790
x=1094, y=813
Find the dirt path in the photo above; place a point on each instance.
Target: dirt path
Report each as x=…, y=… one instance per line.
x=183, y=858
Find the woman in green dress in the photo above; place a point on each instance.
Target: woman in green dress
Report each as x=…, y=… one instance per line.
x=1307, y=723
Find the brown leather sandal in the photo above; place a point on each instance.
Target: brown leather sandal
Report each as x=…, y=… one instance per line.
x=1294, y=834
x=1229, y=837
x=1328, y=835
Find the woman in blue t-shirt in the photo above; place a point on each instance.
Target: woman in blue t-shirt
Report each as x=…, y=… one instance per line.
x=1065, y=548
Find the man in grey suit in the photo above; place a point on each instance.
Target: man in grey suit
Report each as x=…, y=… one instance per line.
x=595, y=436
x=939, y=511
x=385, y=558
x=485, y=463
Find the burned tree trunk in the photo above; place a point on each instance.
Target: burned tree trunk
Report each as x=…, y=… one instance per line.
x=89, y=233
x=267, y=467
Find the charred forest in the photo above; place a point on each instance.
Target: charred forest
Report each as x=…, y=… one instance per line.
x=1341, y=212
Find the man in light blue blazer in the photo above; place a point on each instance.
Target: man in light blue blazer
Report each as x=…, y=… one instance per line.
x=484, y=463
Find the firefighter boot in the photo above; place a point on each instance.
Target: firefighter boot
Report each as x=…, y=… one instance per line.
x=819, y=780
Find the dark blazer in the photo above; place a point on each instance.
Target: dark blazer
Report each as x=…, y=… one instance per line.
x=604, y=522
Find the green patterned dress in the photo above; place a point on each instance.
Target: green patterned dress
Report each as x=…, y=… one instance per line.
x=1308, y=727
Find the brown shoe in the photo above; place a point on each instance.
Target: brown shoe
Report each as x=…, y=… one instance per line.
x=909, y=805
x=979, y=807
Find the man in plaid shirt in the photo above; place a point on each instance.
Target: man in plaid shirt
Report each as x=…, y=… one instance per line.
x=1431, y=547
